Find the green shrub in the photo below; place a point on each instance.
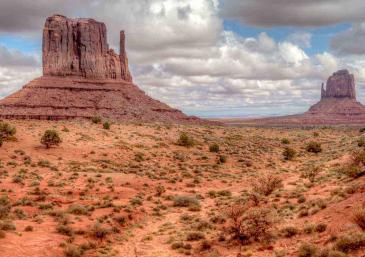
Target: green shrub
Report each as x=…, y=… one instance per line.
x=51, y=138
x=350, y=242
x=194, y=236
x=185, y=140
x=214, y=148
x=313, y=147
x=5, y=207
x=289, y=153
x=289, y=232
x=185, y=201
x=73, y=251
x=307, y=250
x=106, y=125
x=96, y=119
x=361, y=141
x=222, y=159
x=6, y=130
x=285, y=141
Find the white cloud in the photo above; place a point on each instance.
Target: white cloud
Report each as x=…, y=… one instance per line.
x=181, y=55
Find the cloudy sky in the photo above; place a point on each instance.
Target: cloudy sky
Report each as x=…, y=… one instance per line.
x=207, y=57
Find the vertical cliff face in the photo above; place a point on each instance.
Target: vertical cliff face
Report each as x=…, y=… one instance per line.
x=79, y=47
x=340, y=85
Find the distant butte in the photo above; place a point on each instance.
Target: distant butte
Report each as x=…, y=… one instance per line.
x=338, y=105
x=83, y=77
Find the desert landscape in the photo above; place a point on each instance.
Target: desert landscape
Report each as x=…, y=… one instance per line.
x=177, y=190
x=95, y=163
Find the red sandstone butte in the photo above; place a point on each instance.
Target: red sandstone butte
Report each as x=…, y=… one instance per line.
x=83, y=77
x=338, y=105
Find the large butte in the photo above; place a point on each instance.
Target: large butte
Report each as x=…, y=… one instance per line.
x=83, y=78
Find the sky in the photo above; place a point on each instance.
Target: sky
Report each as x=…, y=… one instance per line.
x=210, y=58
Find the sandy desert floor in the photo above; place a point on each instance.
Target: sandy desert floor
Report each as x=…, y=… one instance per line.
x=136, y=190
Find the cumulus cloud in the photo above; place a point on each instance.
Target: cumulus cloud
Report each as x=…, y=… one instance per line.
x=308, y=13
x=180, y=54
x=350, y=41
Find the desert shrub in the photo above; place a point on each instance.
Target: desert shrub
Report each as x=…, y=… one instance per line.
x=249, y=224
x=1, y=141
x=361, y=141
x=5, y=207
x=313, y=147
x=78, y=209
x=265, y=185
x=99, y=232
x=289, y=231
x=6, y=130
x=358, y=217
x=96, y=119
x=73, y=251
x=350, y=242
x=307, y=250
x=289, y=153
x=194, y=236
x=362, y=130
x=352, y=171
x=160, y=189
x=51, y=138
x=222, y=159
x=185, y=140
x=205, y=245
x=7, y=225
x=185, y=201
x=64, y=230
x=106, y=125
x=28, y=228
x=321, y=227
x=285, y=141
x=311, y=173
x=214, y=148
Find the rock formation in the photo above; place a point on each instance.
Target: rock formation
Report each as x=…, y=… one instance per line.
x=338, y=105
x=83, y=78
x=79, y=47
x=340, y=85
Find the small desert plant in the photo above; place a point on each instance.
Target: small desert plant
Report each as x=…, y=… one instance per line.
x=249, y=224
x=311, y=173
x=289, y=231
x=185, y=201
x=99, y=232
x=5, y=207
x=73, y=251
x=307, y=250
x=6, y=130
x=222, y=159
x=313, y=147
x=361, y=141
x=185, y=140
x=265, y=185
x=359, y=217
x=106, y=125
x=289, y=153
x=285, y=141
x=51, y=138
x=350, y=242
x=214, y=148
x=96, y=119
x=160, y=189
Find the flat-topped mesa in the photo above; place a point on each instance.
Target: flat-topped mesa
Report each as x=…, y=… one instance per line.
x=340, y=85
x=79, y=48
